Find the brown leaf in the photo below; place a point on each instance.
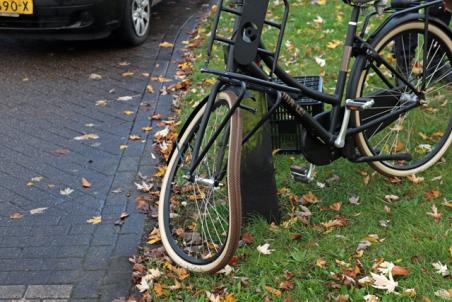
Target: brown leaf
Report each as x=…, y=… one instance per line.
x=273, y=291
x=320, y=262
x=138, y=267
x=336, y=206
x=142, y=203
x=247, y=238
x=286, y=285
x=415, y=179
x=310, y=198
x=415, y=259
x=158, y=289
x=16, y=216
x=85, y=183
x=432, y=194
x=234, y=260
x=229, y=298
x=154, y=237
x=342, y=298
x=400, y=271
x=295, y=237
x=62, y=152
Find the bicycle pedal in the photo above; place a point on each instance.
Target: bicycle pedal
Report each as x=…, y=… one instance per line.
x=359, y=104
x=302, y=174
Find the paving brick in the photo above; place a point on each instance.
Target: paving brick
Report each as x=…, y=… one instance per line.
x=48, y=291
x=12, y=291
x=10, y=252
x=45, y=114
x=98, y=257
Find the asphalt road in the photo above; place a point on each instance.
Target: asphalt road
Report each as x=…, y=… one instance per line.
x=57, y=126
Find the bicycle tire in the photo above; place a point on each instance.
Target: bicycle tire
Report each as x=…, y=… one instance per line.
x=182, y=255
x=358, y=80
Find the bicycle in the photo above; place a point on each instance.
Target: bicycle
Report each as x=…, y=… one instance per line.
x=394, y=113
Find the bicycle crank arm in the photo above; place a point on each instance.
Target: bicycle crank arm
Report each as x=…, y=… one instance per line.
x=397, y=156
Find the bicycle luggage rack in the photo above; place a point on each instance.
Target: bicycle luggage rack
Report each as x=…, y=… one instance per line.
x=246, y=40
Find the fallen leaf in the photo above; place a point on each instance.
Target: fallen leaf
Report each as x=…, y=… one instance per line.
x=95, y=220
x=158, y=289
x=87, y=136
x=392, y=198
x=286, y=285
x=354, y=200
x=371, y=298
x=400, y=271
x=414, y=179
x=382, y=282
x=85, y=183
x=166, y=44
x=432, y=194
x=310, y=198
x=212, y=297
x=227, y=270
x=154, y=237
x=273, y=291
x=321, y=62
x=16, y=216
x=441, y=269
x=66, y=191
x=95, y=77
x=127, y=74
x=444, y=294
x=150, y=89
x=264, y=249
x=247, y=238
x=333, y=44
x=144, y=187
x=435, y=214
x=62, y=152
x=102, y=103
x=409, y=292
x=128, y=113
x=363, y=245
x=38, y=211
x=125, y=98
x=320, y=262
x=336, y=206
x=135, y=137
x=342, y=298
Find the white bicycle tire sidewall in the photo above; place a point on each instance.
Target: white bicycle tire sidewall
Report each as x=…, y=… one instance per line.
x=171, y=253
x=361, y=140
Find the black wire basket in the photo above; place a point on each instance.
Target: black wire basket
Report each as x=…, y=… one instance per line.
x=286, y=132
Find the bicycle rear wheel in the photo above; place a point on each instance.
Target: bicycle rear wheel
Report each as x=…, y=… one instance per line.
x=425, y=131
x=200, y=218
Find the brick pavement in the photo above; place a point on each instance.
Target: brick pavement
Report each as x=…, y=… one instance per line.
x=47, y=99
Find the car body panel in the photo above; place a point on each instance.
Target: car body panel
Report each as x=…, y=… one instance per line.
x=66, y=20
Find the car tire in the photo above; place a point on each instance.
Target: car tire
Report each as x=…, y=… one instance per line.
x=135, y=27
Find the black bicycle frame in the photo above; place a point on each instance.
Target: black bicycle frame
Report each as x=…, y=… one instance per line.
x=257, y=79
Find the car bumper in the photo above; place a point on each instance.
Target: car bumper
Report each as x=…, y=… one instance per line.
x=67, y=19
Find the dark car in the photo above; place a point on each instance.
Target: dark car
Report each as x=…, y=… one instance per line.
x=76, y=19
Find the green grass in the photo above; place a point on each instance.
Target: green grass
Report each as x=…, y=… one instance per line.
x=411, y=240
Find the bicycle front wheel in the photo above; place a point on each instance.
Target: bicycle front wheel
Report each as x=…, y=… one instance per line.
x=200, y=216
x=425, y=131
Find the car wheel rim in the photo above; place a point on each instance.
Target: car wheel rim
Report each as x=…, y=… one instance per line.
x=141, y=10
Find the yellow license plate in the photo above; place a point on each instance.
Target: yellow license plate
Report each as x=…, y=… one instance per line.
x=17, y=7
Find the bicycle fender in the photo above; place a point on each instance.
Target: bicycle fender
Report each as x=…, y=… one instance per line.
x=399, y=20
x=190, y=117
